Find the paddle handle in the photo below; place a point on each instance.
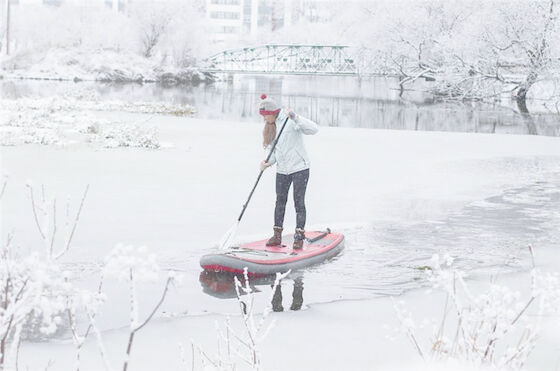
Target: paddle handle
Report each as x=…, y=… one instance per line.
x=262, y=171
x=322, y=235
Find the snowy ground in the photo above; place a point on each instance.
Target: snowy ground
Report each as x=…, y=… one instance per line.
x=399, y=197
x=67, y=120
x=94, y=65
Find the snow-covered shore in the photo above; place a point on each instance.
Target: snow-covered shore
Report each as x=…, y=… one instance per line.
x=96, y=65
x=179, y=200
x=70, y=119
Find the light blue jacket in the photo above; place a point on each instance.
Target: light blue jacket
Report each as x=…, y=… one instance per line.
x=290, y=155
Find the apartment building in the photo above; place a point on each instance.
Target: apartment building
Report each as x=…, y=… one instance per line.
x=241, y=19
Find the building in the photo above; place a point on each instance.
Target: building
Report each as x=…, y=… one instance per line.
x=226, y=18
x=241, y=19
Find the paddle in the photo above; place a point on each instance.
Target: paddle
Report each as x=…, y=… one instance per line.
x=227, y=239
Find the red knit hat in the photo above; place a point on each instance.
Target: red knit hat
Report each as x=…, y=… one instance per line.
x=267, y=106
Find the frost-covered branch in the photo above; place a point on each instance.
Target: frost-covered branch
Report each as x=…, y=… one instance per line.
x=243, y=346
x=486, y=323
x=133, y=265
x=76, y=220
x=3, y=189
x=47, y=230
x=90, y=305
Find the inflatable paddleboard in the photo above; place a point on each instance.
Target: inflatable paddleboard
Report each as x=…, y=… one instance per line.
x=262, y=260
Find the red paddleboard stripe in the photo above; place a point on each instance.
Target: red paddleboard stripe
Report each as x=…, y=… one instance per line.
x=223, y=268
x=300, y=256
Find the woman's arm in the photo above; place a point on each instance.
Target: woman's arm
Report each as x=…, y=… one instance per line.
x=302, y=124
x=306, y=126
x=271, y=160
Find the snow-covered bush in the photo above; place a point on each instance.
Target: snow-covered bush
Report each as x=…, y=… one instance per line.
x=127, y=136
x=34, y=288
x=65, y=120
x=492, y=329
x=39, y=298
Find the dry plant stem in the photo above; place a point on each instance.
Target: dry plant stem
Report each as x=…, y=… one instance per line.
x=80, y=341
x=192, y=360
x=202, y=353
x=532, y=255
x=158, y=304
x=228, y=337
x=54, y=229
x=442, y=325
x=75, y=337
x=494, y=338
x=35, y=212
x=17, y=353
x=138, y=328
x=524, y=347
x=99, y=339
x=246, y=319
x=10, y=322
x=16, y=340
x=6, y=249
x=3, y=188
x=237, y=337
x=413, y=338
x=75, y=224
x=410, y=334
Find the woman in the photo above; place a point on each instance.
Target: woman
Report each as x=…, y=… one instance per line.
x=292, y=164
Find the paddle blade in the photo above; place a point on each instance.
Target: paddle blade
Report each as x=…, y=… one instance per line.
x=227, y=239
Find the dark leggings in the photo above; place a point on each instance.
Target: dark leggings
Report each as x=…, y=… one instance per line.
x=283, y=183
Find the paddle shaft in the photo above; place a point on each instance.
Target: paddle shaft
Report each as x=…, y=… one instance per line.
x=262, y=171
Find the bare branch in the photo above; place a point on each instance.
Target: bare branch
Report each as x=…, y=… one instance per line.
x=75, y=224
x=3, y=187
x=169, y=280
x=54, y=228
x=35, y=212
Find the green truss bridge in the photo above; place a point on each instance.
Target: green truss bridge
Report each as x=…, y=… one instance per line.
x=285, y=59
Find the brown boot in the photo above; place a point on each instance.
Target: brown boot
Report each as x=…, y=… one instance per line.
x=298, y=238
x=275, y=240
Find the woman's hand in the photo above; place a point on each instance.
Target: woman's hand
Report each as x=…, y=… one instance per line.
x=291, y=114
x=264, y=165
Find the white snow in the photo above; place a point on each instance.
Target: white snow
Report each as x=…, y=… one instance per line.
x=94, y=65
x=66, y=120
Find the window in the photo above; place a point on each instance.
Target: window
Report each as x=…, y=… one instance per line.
x=227, y=29
x=226, y=2
x=224, y=15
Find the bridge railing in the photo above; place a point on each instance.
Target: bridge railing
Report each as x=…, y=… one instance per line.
x=285, y=59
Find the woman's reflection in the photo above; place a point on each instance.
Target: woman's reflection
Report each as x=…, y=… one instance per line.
x=297, y=296
x=222, y=285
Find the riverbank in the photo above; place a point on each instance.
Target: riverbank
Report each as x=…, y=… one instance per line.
x=102, y=65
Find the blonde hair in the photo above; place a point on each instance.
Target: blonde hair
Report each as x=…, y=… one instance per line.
x=269, y=133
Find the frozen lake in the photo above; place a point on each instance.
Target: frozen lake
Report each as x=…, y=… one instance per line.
x=408, y=195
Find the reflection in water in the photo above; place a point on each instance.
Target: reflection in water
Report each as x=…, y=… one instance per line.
x=297, y=296
x=222, y=285
x=337, y=101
